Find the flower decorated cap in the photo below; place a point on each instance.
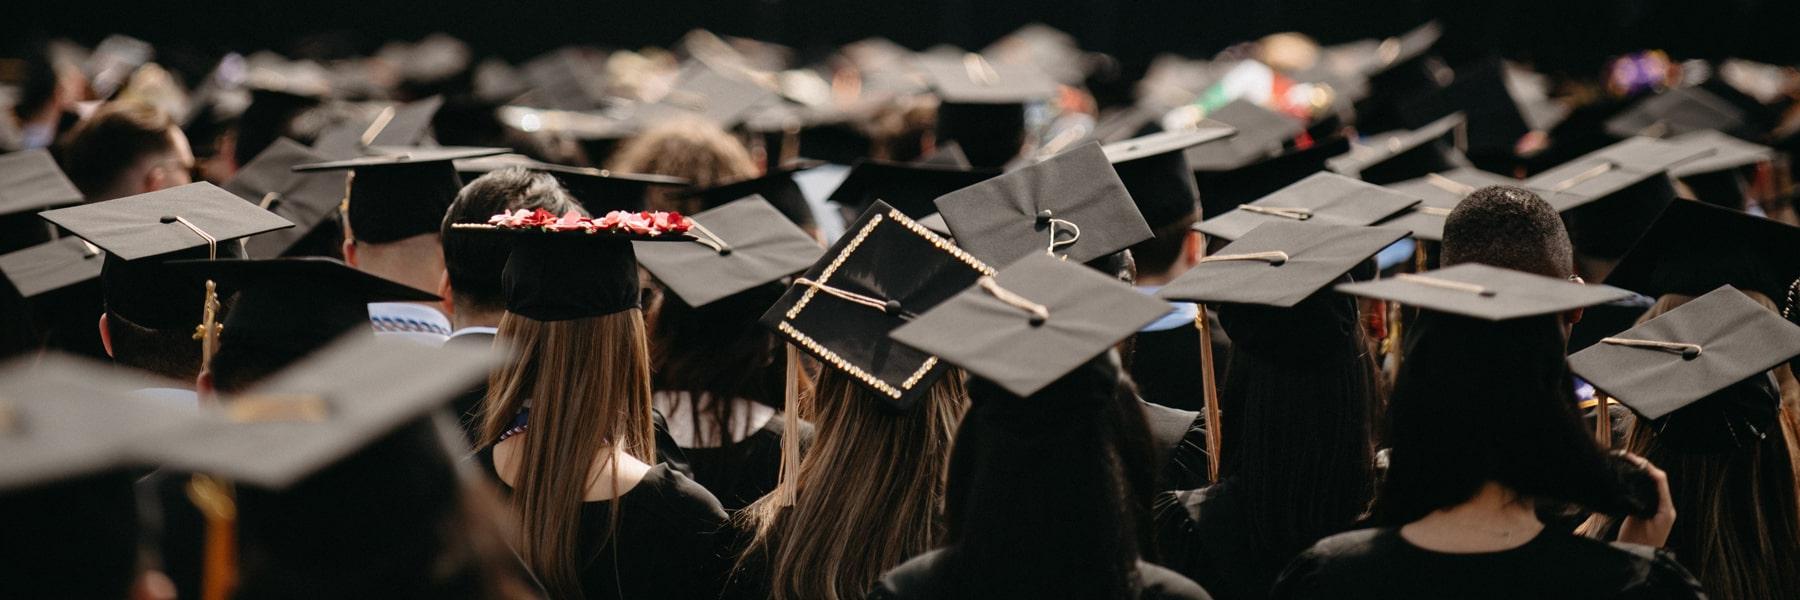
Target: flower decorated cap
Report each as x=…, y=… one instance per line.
x=573, y=266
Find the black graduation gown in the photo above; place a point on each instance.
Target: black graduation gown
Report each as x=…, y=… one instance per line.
x=1165, y=364
x=1179, y=443
x=1202, y=535
x=923, y=578
x=740, y=474
x=1379, y=563
x=670, y=542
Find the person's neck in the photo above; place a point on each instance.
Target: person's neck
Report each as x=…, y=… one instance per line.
x=1159, y=279
x=466, y=316
x=417, y=262
x=1495, y=519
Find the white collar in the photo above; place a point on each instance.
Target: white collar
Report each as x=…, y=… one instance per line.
x=475, y=330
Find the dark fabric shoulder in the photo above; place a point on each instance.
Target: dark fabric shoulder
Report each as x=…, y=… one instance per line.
x=915, y=579
x=667, y=491
x=1662, y=577
x=1158, y=583
x=1178, y=438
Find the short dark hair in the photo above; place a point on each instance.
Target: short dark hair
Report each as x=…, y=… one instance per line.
x=168, y=353
x=114, y=139
x=1511, y=228
x=1158, y=254
x=474, y=262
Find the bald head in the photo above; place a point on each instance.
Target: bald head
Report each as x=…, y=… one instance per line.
x=1511, y=228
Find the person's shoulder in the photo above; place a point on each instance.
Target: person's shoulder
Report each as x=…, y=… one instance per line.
x=1159, y=583
x=916, y=578
x=677, y=496
x=1349, y=544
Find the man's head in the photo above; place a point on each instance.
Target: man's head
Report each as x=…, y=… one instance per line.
x=472, y=263
x=128, y=148
x=1175, y=248
x=1511, y=228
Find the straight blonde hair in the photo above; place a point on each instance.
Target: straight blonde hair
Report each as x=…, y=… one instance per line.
x=588, y=385
x=868, y=496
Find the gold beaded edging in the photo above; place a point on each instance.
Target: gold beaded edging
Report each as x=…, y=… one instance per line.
x=837, y=261
x=834, y=360
x=940, y=242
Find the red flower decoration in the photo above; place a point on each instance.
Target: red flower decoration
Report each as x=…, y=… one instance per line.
x=640, y=223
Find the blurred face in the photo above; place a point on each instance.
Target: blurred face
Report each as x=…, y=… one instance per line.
x=175, y=168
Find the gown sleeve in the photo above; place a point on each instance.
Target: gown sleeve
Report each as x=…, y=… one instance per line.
x=1299, y=581
x=1664, y=579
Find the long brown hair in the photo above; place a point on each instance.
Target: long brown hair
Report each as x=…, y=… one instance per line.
x=1739, y=529
x=696, y=150
x=869, y=492
x=588, y=383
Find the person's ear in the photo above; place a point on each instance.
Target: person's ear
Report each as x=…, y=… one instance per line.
x=350, y=252
x=153, y=180
x=203, y=387
x=1574, y=316
x=105, y=335
x=444, y=292
x=1193, y=248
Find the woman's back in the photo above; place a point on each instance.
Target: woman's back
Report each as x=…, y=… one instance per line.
x=925, y=577
x=1381, y=563
x=667, y=545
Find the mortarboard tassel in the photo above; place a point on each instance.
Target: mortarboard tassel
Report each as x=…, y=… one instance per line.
x=790, y=438
x=1210, y=392
x=219, y=572
x=208, y=331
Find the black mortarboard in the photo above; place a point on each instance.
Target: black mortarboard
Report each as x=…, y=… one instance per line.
x=947, y=154
x=1321, y=198
x=297, y=304
x=884, y=271
x=983, y=106
x=1686, y=370
x=1610, y=196
x=1386, y=159
x=321, y=411
x=1720, y=178
x=307, y=199
x=908, y=187
x=736, y=247
x=1678, y=111
x=52, y=265
x=30, y=181
x=704, y=92
x=1495, y=120
x=1485, y=292
x=64, y=418
x=397, y=196
x=1030, y=323
x=1072, y=204
x=599, y=191
x=1694, y=247
x=403, y=124
x=1439, y=194
x=1155, y=171
x=576, y=268
x=1261, y=134
x=274, y=105
x=1223, y=190
x=935, y=222
x=776, y=186
x=151, y=224
x=1280, y=263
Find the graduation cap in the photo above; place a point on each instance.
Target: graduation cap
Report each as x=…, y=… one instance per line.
x=1155, y=171
x=1610, y=196
x=1694, y=372
x=1261, y=134
x=704, y=92
x=1222, y=191
x=1679, y=111
x=307, y=199
x=983, y=104
x=574, y=267
x=64, y=418
x=1720, y=178
x=321, y=411
x=396, y=196
x=1320, y=198
x=1479, y=92
x=1030, y=323
x=736, y=247
x=1280, y=263
x=1485, y=292
x=777, y=187
x=909, y=187
x=948, y=154
x=179, y=218
x=1072, y=205
x=1694, y=247
x=30, y=181
x=1386, y=159
x=295, y=305
x=599, y=191
x=402, y=124
x=52, y=265
x=935, y=223
x=1439, y=194
x=885, y=271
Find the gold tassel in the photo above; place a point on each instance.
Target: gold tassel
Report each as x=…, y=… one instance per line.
x=1210, y=385
x=790, y=436
x=219, y=570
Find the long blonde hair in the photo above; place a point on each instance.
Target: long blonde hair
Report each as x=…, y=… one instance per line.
x=588, y=384
x=692, y=149
x=869, y=495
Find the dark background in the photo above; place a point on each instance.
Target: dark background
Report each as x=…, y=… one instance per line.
x=1566, y=35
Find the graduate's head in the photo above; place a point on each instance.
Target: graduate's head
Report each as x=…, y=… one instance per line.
x=128, y=148
x=1508, y=227
x=473, y=261
x=693, y=149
